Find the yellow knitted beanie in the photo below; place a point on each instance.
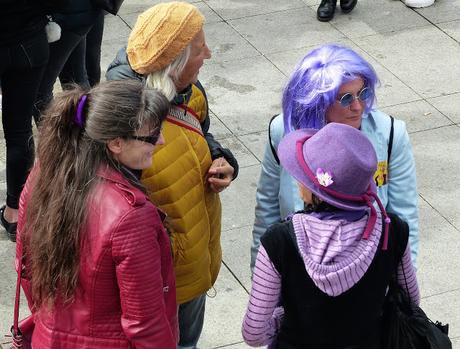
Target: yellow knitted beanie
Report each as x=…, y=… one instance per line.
x=160, y=34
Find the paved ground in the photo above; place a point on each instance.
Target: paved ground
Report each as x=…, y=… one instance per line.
x=255, y=45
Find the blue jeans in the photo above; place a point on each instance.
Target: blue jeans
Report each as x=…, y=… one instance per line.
x=191, y=320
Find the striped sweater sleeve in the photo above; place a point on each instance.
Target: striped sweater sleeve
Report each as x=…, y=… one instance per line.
x=263, y=318
x=407, y=278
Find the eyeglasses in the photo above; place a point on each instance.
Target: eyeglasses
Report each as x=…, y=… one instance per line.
x=152, y=139
x=346, y=100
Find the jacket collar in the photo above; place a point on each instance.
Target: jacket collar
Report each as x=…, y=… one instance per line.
x=134, y=195
x=112, y=175
x=183, y=96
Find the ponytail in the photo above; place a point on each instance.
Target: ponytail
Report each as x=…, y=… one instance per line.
x=71, y=150
x=57, y=210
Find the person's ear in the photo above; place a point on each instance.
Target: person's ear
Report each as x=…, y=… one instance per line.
x=115, y=145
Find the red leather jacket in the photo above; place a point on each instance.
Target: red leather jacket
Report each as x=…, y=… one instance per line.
x=126, y=292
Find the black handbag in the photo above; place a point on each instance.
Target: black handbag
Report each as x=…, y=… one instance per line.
x=406, y=326
x=111, y=6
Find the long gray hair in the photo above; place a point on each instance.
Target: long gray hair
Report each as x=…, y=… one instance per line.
x=166, y=78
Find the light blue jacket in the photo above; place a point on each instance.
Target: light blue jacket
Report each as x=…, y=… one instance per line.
x=278, y=195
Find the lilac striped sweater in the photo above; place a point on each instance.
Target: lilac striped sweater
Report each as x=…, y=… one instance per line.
x=335, y=257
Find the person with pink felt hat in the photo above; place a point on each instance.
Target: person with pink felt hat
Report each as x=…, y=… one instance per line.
x=329, y=265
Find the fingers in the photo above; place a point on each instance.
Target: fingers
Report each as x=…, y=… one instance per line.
x=221, y=172
x=218, y=184
x=220, y=175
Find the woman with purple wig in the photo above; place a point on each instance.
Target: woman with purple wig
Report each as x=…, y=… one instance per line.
x=333, y=83
x=329, y=265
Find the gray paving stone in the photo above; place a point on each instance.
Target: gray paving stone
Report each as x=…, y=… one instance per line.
x=241, y=345
x=298, y=28
x=115, y=28
x=444, y=308
x=438, y=253
x=226, y=44
x=243, y=154
x=239, y=199
x=224, y=313
x=452, y=29
x=364, y=20
x=218, y=129
x=424, y=67
x=312, y=2
x=129, y=12
x=209, y=14
x=418, y=116
x=392, y=91
x=236, y=245
x=230, y=9
x=448, y=105
x=109, y=51
x=2, y=151
x=437, y=154
x=243, y=94
x=441, y=11
x=256, y=142
x=8, y=286
x=287, y=59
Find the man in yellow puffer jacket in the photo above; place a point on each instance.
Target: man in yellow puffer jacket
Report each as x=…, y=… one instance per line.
x=166, y=48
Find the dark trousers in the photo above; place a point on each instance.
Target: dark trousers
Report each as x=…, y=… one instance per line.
x=90, y=48
x=60, y=52
x=191, y=320
x=21, y=70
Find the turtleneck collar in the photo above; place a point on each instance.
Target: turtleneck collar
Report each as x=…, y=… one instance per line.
x=183, y=96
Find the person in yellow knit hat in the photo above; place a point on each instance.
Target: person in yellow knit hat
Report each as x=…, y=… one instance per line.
x=166, y=49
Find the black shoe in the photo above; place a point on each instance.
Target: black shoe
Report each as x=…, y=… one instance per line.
x=9, y=227
x=326, y=10
x=347, y=5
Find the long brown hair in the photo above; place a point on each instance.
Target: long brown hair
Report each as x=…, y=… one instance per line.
x=69, y=157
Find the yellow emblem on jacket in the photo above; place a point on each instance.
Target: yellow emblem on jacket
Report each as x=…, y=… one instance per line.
x=381, y=175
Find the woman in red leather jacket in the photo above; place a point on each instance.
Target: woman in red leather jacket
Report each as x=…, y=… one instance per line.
x=97, y=261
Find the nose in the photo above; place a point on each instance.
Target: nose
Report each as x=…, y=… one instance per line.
x=356, y=105
x=161, y=140
x=207, y=52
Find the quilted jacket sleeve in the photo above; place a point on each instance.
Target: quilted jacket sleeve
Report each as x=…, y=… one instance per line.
x=136, y=252
x=216, y=149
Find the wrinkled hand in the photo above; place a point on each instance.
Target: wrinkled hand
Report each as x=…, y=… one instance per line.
x=220, y=175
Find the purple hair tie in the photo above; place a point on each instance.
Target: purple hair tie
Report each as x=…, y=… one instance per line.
x=79, y=115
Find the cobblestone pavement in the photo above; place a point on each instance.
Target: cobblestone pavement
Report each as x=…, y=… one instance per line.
x=255, y=45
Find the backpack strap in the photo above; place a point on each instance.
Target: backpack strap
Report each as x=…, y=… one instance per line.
x=390, y=140
x=275, y=155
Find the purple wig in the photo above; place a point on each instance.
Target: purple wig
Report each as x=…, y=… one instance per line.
x=314, y=85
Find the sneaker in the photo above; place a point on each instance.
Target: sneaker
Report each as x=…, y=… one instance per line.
x=418, y=3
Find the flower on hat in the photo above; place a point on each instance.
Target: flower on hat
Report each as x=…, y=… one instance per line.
x=324, y=177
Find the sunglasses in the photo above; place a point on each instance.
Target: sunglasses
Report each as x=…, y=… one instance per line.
x=346, y=100
x=152, y=139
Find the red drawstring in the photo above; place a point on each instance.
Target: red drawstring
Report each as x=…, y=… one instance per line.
x=385, y=221
x=363, y=198
x=372, y=218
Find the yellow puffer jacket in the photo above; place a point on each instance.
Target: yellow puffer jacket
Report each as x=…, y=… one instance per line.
x=176, y=183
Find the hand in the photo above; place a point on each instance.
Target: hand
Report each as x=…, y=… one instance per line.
x=220, y=175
